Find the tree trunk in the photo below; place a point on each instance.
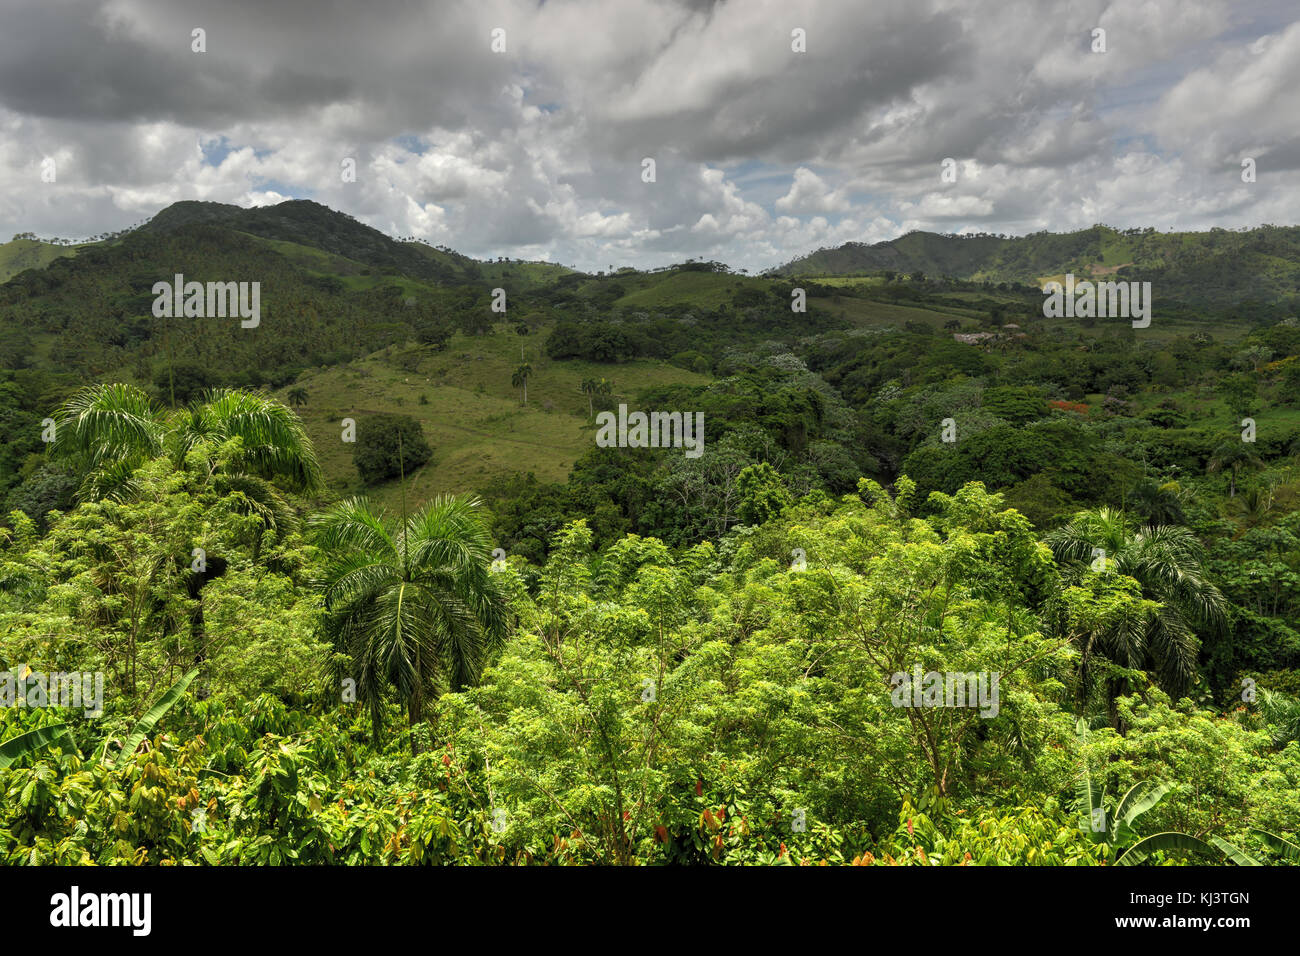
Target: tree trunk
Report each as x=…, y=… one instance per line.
x=415, y=715
x=415, y=706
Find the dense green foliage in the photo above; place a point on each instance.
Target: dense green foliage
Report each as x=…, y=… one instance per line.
x=666, y=659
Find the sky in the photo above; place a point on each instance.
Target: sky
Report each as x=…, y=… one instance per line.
x=762, y=152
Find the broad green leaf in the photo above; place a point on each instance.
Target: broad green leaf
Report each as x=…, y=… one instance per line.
x=155, y=713
x=1235, y=854
x=1141, y=798
x=1140, y=851
x=1288, y=851
x=17, y=747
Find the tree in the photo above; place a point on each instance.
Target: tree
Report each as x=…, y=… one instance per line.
x=591, y=387
x=1158, y=504
x=763, y=495
x=297, y=396
x=1240, y=392
x=1167, y=564
x=1282, y=714
x=431, y=328
x=1018, y=405
x=520, y=379
x=241, y=445
x=108, y=431
x=389, y=445
x=412, y=604
x=184, y=381
x=1234, y=457
x=1116, y=827
x=1115, y=830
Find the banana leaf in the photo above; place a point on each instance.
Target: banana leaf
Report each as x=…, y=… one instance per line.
x=1140, y=851
x=1141, y=798
x=145, y=725
x=1235, y=853
x=17, y=747
x=1288, y=851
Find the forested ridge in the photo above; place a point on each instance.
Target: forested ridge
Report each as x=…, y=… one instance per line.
x=316, y=651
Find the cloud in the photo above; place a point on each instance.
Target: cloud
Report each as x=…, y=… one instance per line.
x=809, y=193
x=762, y=153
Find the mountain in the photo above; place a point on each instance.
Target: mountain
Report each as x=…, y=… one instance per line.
x=307, y=223
x=338, y=289
x=1219, y=267
x=364, y=322
x=310, y=229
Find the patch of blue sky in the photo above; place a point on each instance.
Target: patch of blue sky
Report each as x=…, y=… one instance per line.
x=412, y=143
x=215, y=150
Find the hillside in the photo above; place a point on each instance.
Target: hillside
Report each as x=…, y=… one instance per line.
x=22, y=254
x=310, y=224
x=1221, y=267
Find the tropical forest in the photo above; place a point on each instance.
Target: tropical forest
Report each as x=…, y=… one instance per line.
x=943, y=580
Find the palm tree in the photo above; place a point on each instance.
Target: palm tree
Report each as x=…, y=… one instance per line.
x=1233, y=457
x=520, y=379
x=258, y=436
x=411, y=603
x=110, y=430
x=241, y=444
x=1166, y=562
x=106, y=432
x=1158, y=504
x=297, y=396
x=591, y=387
x=1282, y=714
x=1256, y=504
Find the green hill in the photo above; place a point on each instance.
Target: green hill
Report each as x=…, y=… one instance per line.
x=22, y=254
x=1219, y=267
x=308, y=223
